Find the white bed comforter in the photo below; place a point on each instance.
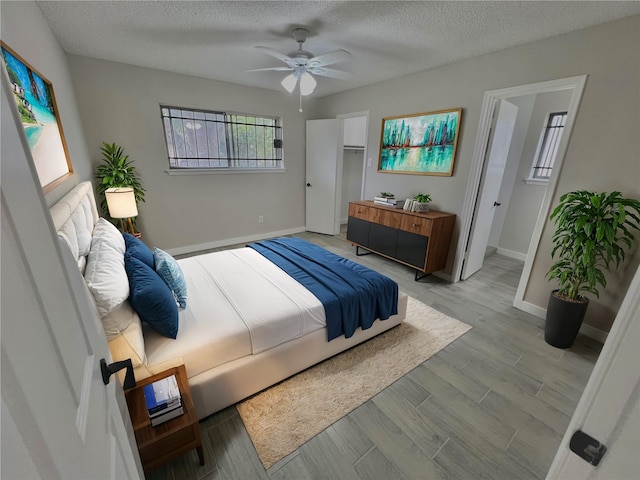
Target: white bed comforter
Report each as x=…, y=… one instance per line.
x=238, y=303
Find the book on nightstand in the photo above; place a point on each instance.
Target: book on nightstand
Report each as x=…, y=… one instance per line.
x=163, y=400
x=166, y=415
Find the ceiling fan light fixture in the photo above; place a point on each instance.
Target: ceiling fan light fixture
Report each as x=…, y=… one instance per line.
x=289, y=83
x=303, y=65
x=307, y=84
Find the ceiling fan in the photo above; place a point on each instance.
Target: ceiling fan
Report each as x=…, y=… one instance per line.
x=303, y=64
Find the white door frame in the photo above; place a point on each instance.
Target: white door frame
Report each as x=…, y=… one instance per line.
x=491, y=98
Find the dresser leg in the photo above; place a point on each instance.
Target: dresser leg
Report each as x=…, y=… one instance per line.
x=419, y=277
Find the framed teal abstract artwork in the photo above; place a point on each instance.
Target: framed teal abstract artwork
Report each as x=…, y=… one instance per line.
x=420, y=143
x=38, y=112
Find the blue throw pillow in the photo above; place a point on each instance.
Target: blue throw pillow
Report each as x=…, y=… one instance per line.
x=151, y=298
x=169, y=270
x=138, y=249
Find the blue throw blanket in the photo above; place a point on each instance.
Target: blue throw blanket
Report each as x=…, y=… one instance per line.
x=353, y=295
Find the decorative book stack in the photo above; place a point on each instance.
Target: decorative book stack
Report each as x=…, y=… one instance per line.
x=388, y=202
x=163, y=400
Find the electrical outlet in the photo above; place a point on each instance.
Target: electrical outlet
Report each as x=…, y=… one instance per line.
x=261, y=219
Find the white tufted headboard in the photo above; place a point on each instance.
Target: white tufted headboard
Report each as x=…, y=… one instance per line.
x=74, y=216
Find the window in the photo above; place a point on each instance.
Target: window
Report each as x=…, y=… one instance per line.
x=220, y=141
x=548, y=147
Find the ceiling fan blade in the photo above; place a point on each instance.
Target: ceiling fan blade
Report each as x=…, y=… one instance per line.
x=279, y=55
x=329, y=72
x=276, y=69
x=329, y=58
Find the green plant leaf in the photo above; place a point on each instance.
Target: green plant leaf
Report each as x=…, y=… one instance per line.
x=592, y=232
x=116, y=170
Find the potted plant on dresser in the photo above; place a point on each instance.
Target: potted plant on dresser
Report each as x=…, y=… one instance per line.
x=592, y=231
x=421, y=202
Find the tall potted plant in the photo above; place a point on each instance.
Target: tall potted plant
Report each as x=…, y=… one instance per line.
x=116, y=171
x=592, y=232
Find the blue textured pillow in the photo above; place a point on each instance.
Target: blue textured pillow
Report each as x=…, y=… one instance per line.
x=171, y=273
x=151, y=298
x=138, y=249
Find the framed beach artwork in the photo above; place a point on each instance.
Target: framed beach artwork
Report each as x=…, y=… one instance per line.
x=420, y=143
x=39, y=114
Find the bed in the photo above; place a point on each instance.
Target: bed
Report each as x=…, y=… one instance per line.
x=252, y=316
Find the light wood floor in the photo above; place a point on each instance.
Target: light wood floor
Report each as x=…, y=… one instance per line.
x=494, y=404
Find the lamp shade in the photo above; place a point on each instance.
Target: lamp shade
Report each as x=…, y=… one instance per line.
x=289, y=82
x=121, y=202
x=307, y=84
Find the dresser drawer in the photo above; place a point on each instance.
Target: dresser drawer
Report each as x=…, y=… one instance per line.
x=388, y=218
x=419, y=225
x=360, y=211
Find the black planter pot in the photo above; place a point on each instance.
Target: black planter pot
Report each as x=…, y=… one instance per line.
x=563, y=321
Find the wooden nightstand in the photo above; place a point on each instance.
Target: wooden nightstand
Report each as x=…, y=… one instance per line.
x=157, y=445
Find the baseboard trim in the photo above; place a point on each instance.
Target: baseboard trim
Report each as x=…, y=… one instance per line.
x=593, y=332
x=232, y=241
x=531, y=308
x=490, y=251
x=587, y=330
x=512, y=254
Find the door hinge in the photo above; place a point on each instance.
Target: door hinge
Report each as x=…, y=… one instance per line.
x=587, y=447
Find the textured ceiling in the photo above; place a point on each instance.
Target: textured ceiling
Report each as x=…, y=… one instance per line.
x=386, y=39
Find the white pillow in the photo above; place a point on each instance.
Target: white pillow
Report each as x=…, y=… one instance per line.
x=129, y=343
x=117, y=320
x=105, y=274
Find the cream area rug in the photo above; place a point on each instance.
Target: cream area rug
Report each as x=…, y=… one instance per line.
x=284, y=417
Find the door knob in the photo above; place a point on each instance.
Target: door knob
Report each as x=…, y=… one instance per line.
x=496, y=204
x=108, y=370
x=308, y=184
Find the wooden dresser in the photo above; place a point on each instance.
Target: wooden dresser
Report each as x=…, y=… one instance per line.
x=418, y=240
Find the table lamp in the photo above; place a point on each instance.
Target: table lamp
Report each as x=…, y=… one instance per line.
x=121, y=202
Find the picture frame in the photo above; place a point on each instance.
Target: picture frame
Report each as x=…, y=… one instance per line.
x=37, y=107
x=420, y=143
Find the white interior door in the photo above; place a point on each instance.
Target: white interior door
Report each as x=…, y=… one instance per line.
x=323, y=185
x=609, y=409
x=61, y=420
x=487, y=202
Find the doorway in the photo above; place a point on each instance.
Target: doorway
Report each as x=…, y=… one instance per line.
x=490, y=102
x=353, y=168
x=331, y=181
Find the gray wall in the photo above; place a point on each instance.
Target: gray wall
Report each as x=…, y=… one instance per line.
x=25, y=30
x=120, y=103
x=603, y=153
